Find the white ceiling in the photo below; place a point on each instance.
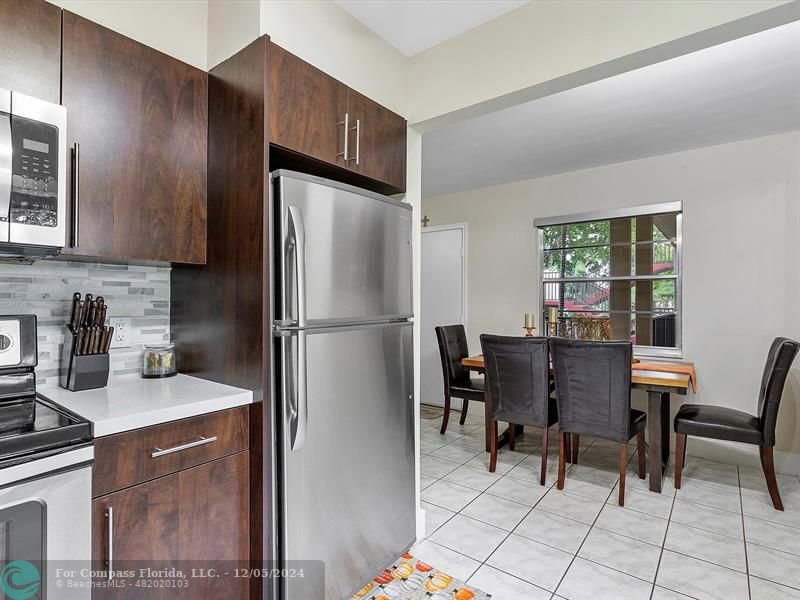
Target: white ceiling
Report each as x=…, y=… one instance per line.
x=745, y=88
x=414, y=26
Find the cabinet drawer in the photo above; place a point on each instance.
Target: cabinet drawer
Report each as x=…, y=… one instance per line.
x=132, y=457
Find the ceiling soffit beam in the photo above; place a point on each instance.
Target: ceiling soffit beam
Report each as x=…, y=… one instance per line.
x=768, y=19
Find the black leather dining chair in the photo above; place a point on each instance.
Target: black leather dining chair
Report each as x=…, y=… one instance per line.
x=720, y=423
x=517, y=371
x=593, y=392
x=457, y=381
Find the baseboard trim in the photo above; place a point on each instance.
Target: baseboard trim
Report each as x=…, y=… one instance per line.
x=420, y=524
x=786, y=463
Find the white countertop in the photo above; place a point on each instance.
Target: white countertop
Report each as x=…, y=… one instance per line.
x=132, y=402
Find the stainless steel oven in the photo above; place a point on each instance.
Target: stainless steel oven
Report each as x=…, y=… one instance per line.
x=46, y=456
x=33, y=170
x=46, y=524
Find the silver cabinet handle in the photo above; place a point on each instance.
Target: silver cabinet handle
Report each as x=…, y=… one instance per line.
x=201, y=442
x=346, y=124
x=357, y=129
x=76, y=194
x=110, y=517
x=298, y=232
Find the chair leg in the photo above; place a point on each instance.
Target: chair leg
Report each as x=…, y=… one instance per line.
x=446, y=415
x=680, y=457
x=562, y=457
x=464, y=408
x=543, y=475
x=576, y=442
x=623, y=467
x=493, y=445
x=768, y=464
x=512, y=436
x=640, y=454
x=568, y=449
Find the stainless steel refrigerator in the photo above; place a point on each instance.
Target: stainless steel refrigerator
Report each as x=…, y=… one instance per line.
x=343, y=383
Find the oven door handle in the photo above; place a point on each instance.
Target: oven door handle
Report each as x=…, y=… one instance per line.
x=6, y=154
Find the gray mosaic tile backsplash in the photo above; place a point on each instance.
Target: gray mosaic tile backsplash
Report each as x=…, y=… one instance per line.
x=45, y=288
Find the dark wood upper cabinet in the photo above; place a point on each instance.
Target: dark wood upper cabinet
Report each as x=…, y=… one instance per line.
x=304, y=108
x=310, y=113
x=140, y=118
x=196, y=518
x=378, y=142
x=30, y=48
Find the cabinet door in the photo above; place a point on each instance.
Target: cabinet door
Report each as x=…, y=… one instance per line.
x=306, y=108
x=197, y=518
x=141, y=119
x=30, y=48
x=379, y=142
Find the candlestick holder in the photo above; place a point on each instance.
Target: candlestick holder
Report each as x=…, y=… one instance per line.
x=552, y=329
x=529, y=331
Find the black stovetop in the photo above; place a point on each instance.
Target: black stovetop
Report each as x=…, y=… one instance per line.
x=31, y=426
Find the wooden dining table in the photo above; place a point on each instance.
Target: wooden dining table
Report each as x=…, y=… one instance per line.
x=659, y=385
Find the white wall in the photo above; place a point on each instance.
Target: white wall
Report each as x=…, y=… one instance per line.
x=232, y=25
x=175, y=27
x=331, y=39
x=543, y=40
x=741, y=256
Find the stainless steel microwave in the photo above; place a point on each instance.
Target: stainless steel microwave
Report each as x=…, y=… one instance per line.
x=33, y=169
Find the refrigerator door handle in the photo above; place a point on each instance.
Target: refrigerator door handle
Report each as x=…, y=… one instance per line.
x=301, y=409
x=297, y=235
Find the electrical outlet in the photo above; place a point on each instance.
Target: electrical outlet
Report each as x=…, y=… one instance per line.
x=122, y=332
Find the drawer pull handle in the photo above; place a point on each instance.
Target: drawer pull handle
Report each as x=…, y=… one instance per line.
x=201, y=442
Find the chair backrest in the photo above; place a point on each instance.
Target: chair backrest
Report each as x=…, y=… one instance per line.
x=517, y=374
x=452, y=349
x=779, y=360
x=593, y=387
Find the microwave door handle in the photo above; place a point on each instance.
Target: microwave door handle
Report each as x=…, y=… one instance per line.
x=6, y=155
x=76, y=194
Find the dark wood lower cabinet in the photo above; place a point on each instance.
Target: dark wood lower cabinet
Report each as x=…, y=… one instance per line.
x=197, y=518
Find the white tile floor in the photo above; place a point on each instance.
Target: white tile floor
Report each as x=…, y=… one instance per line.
x=717, y=538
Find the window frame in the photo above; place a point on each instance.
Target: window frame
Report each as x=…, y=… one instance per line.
x=675, y=208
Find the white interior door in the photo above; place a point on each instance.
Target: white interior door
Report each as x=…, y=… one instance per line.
x=443, y=298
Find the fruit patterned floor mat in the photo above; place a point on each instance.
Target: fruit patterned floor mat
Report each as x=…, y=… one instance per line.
x=411, y=579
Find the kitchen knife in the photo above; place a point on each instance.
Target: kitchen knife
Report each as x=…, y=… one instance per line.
x=86, y=338
x=79, y=341
x=100, y=312
x=76, y=312
x=93, y=310
x=109, y=337
x=95, y=340
x=99, y=346
x=106, y=340
x=87, y=301
x=81, y=310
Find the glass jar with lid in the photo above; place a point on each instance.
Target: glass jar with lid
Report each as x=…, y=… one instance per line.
x=158, y=360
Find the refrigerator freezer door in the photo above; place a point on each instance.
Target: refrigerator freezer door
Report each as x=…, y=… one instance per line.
x=348, y=491
x=357, y=252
